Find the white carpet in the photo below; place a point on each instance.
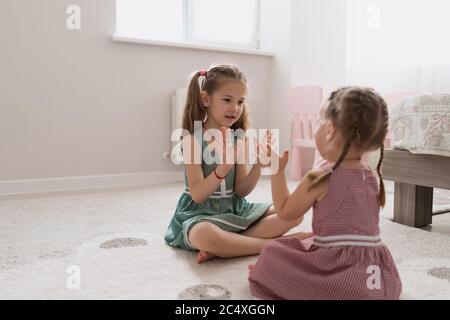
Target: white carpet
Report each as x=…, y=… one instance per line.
x=40, y=238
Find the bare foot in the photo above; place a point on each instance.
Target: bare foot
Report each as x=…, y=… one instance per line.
x=300, y=235
x=203, y=256
x=250, y=267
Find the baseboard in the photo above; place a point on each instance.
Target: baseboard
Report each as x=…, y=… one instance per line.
x=23, y=187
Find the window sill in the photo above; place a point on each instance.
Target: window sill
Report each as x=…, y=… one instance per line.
x=196, y=46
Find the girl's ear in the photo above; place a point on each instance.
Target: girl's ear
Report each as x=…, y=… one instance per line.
x=205, y=98
x=330, y=130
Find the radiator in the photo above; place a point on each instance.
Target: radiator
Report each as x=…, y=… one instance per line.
x=178, y=104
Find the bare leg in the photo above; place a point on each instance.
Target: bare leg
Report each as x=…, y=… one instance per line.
x=269, y=211
x=267, y=228
x=203, y=256
x=271, y=226
x=298, y=235
x=211, y=240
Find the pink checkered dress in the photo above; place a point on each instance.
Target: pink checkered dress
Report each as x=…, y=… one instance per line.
x=344, y=260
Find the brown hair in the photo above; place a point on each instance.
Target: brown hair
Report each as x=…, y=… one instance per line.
x=213, y=77
x=361, y=115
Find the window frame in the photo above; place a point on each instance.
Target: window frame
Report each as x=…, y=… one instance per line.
x=188, y=39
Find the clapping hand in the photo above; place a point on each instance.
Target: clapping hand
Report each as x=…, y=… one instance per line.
x=268, y=157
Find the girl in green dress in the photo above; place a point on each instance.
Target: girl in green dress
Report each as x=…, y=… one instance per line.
x=212, y=215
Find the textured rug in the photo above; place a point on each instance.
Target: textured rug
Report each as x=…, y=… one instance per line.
x=109, y=245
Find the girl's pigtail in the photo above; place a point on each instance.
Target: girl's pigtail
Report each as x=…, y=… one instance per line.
x=354, y=134
x=356, y=120
x=382, y=194
x=244, y=121
x=194, y=109
x=317, y=180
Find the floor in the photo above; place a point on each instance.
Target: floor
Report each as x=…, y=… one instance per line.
x=441, y=201
x=441, y=222
x=109, y=245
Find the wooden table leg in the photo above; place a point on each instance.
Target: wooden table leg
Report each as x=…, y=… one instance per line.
x=413, y=205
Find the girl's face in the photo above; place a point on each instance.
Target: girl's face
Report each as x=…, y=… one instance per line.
x=225, y=105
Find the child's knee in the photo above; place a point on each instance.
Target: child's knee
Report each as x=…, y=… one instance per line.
x=269, y=211
x=296, y=222
x=204, y=235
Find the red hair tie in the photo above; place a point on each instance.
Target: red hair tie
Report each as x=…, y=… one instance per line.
x=203, y=73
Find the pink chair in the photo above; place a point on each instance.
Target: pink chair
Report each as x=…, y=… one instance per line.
x=392, y=99
x=304, y=104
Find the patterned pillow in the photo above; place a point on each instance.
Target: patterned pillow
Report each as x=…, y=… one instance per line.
x=421, y=124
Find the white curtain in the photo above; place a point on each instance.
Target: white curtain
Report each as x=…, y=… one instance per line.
x=399, y=45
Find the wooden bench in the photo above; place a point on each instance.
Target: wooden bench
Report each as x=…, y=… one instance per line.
x=415, y=176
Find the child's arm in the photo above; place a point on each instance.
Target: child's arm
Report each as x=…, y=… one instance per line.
x=246, y=181
x=292, y=206
x=200, y=187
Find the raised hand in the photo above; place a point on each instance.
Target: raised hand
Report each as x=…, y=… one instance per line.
x=268, y=157
x=283, y=160
x=226, y=152
x=264, y=150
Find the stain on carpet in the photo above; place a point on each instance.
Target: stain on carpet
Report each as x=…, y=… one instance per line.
x=440, y=273
x=123, y=242
x=205, y=292
x=52, y=254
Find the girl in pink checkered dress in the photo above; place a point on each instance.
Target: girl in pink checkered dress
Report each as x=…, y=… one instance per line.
x=345, y=258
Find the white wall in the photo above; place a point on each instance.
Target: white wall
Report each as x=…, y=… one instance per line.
x=319, y=43
x=75, y=103
x=309, y=41
x=276, y=32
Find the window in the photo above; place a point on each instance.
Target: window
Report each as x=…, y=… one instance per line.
x=230, y=23
x=150, y=19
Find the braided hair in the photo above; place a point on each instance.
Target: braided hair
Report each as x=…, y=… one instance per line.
x=361, y=115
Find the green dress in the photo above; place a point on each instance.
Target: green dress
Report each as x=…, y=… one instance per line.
x=223, y=208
